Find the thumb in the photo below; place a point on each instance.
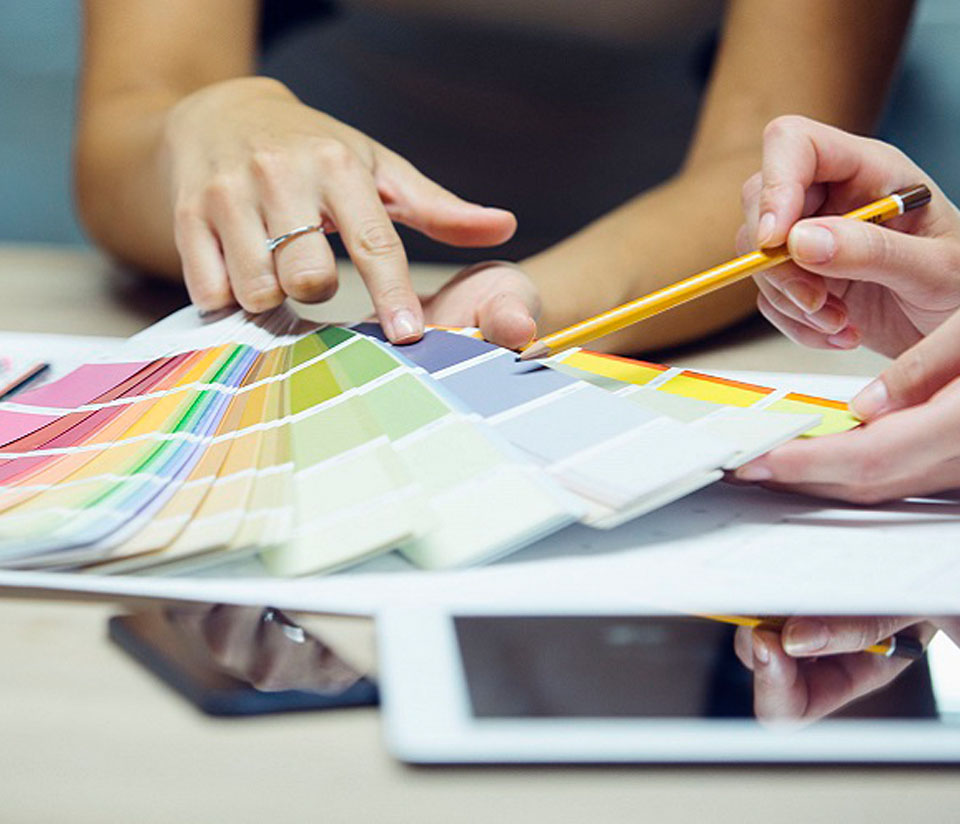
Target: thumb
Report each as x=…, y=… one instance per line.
x=803, y=636
x=838, y=247
x=507, y=314
x=416, y=201
x=507, y=320
x=916, y=375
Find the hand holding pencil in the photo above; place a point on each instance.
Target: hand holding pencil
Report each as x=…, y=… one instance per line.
x=895, y=289
x=703, y=283
x=810, y=667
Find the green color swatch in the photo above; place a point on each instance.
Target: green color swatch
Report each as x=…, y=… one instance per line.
x=403, y=405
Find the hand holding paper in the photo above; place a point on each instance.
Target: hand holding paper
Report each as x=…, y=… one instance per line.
x=893, y=288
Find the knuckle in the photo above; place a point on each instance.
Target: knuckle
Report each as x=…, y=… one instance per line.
x=272, y=170
x=784, y=305
x=862, y=637
x=893, y=155
x=261, y=296
x=783, y=125
x=222, y=193
x=878, y=248
x=333, y=154
x=187, y=213
x=392, y=292
x=268, y=163
x=209, y=295
x=378, y=239
x=311, y=283
x=262, y=302
x=751, y=189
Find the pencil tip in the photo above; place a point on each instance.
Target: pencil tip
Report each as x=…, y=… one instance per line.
x=533, y=351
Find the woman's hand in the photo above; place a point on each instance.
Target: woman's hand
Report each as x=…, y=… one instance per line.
x=262, y=647
x=815, y=666
x=909, y=446
x=895, y=287
x=849, y=282
x=497, y=297
x=247, y=161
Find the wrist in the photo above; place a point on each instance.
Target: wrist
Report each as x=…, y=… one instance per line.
x=229, y=93
x=556, y=307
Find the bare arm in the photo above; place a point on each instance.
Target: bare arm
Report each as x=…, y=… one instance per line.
x=140, y=59
x=832, y=61
x=186, y=162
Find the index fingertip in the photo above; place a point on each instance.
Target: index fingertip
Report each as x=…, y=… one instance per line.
x=403, y=327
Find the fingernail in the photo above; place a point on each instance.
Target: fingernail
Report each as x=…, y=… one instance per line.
x=405, y=326
x=760, y=651
x=768, y=222
x=829, y=319
x=848, y=338
x=805, y=636
x=871, y=400
x=754, y=471
x=812, y=244
x=803, y=295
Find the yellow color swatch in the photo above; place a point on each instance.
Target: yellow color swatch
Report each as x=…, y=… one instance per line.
x=836, y=417
x=714, y=390
x=610, y=366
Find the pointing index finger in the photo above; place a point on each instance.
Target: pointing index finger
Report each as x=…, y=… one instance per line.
x=375, y=247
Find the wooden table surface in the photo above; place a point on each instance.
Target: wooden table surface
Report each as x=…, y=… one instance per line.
x=88, y=736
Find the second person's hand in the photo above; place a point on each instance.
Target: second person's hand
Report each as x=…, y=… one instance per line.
x=816, y=665
x=247, y=161
x=849, y=282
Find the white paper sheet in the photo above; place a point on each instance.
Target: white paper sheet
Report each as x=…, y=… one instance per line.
x=723, y=548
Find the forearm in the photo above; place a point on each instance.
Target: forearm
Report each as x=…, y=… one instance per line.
x=121, y=185
x=827, y=60
x=665, y=234
x=140, y=58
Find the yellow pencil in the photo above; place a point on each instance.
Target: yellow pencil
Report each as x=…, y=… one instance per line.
x=708, y=281
x=896, y=646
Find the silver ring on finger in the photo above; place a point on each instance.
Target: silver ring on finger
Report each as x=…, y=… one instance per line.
x=274, y=243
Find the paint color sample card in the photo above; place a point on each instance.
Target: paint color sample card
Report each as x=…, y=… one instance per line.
x=689, y=395
x=205, y=439
x=483, y=498
x=613, y=454
x=312, y=447
x=754, y=430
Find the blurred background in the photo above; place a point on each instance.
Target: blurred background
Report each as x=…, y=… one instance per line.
x=39, y=52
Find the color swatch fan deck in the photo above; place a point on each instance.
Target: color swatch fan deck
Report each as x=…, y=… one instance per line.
x=318, y=446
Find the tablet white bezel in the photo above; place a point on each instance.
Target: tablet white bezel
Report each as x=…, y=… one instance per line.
x=427, y=719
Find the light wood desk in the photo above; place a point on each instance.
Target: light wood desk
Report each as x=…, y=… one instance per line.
x=88, y=736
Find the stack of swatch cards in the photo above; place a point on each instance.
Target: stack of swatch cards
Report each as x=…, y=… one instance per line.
x=206, y=440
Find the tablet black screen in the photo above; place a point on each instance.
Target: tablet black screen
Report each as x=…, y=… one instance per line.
x=630, y=666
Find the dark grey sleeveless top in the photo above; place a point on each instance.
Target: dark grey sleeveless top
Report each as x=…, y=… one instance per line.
x=558, y=127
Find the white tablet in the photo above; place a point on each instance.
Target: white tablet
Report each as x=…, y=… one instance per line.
x=503, y=688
